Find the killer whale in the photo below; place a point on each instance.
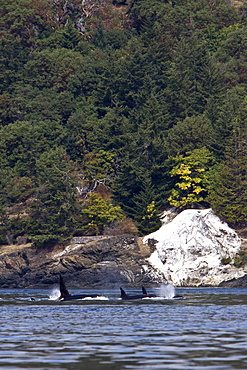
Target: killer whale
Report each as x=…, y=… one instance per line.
x=127, y=297
x=144, y=291
x=66, y=296
x=176, y=296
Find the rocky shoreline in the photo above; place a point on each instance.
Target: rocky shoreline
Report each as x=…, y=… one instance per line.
x=193, y=248
x=87, y=262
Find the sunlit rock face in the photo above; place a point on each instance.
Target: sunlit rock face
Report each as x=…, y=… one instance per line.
x=190, y=249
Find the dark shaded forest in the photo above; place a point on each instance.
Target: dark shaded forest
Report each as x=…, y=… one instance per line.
x=112, y=112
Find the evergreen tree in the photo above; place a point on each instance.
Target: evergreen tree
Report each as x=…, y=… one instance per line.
x=192, y=133
x=232, y=55
x=6, y=234
x=54, y=210
x=233, y=103
x=146, y=206
x=229, y=196
x=194, y=79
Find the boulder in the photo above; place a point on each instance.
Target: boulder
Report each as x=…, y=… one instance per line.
x=194, y=249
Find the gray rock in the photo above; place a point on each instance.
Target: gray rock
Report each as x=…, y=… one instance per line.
x=190, y=248
x=85, y=262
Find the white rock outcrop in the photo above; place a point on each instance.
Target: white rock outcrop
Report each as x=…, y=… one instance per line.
x=190, y=249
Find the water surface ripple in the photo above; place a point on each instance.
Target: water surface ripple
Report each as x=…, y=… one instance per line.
x=207, y=330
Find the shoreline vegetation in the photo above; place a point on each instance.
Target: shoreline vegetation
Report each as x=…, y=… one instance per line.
x=112, y=112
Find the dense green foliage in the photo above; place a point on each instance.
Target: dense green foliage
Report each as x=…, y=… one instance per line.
x=106, y=106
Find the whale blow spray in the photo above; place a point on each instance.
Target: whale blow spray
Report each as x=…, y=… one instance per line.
x=55, y=294
x=167, y=291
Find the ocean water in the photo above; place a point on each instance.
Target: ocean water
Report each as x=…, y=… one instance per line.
x=205, y=330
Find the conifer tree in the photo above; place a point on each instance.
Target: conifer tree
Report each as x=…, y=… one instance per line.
x=229, y=195
x=191, y=133
x=146, y=208
x=54, y=209
x=231, y=105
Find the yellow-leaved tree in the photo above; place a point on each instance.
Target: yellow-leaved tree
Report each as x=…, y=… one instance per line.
x=99, y=213
x=194, y=174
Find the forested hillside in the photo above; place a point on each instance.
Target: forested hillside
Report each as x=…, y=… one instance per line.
x=113, y=111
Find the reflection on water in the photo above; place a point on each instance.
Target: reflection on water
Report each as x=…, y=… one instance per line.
x=207, y=330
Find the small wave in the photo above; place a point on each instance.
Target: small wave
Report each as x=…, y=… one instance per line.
x=100, y=298
x=158, y=298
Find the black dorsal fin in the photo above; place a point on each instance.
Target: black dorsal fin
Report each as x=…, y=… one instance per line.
x=144, y=290
x=123, y=294
x=63, y=291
